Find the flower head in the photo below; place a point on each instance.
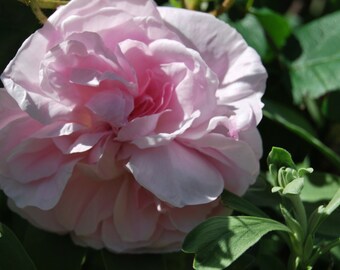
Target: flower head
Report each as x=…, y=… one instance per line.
x=121, y=123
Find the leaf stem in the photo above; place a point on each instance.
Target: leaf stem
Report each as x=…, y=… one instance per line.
x=51, y=4
x=323, y=250
x=300, y=214
x=34, y=4
x=226, y=5
x=314, y=111
x=325, y=150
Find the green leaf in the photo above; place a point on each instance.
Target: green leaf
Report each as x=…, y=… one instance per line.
x=276, y=189
x=319, y=186
x=46, y=249
x=253, y=33
x=259, y=194
x=316, y=71
x=12, y=254
x=277, y=113
x=324, y=248
x=176, y=3
x=327, y=225
x=276, y=26
x=288, y=114
x=292, y=223
x=305, y=171
x=280, y=158
x=241, y=205
x=294, y=187
x=333, y=204
x=219, y=241
x=331, y=108
x=336, y=253
x=309, y=245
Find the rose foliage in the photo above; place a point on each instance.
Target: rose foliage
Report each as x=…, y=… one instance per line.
x=121, y=123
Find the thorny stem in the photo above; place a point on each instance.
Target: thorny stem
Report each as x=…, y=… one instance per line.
x=227, y=4
x=36, y=10
x=51, y=4
x=37, y=5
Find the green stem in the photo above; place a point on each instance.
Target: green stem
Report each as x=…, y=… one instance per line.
x=51, y=4
x=300, y=214
x=323, y=250
x=34, y=4
x=325, y=150
x=291, y=262
x=314, y=111
x=249, y=5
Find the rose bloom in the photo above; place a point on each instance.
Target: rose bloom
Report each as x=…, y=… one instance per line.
x=121, y=123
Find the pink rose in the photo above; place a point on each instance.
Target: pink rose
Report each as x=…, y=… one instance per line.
x=121, y=123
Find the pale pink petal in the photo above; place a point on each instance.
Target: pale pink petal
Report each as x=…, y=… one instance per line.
x=112, y=106
x=122, y=125
x=44, y=219
x=43, y=194
x=9, y=109
x=133, y=222
x=226, y=53
x=33, y=159
x=38, y=106
x=235, y=159
x=85, y=142
x=163, y=138
x=27, y=75
x=176, y=174
x=139, y=127
x=103, y=161
x=180, y=220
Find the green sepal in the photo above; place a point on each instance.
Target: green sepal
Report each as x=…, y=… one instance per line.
x=280, y=157
x=294, y=187
x=293, y=225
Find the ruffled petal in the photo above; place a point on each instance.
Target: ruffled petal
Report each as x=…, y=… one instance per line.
x=242, y=76
x=234, y=159
x=176, y=174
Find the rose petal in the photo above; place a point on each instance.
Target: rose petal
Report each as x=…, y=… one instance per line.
x=43, y=194
x=38, y=157
x=112, y=106
x=234, y=159
x=139, y=127
x=176, y=174
x=133, y=223
x=81, y=8
x=226, y=53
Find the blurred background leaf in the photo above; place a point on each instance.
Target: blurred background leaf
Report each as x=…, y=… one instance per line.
x=316, y=71
x=46, y=250
x=13, y=254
